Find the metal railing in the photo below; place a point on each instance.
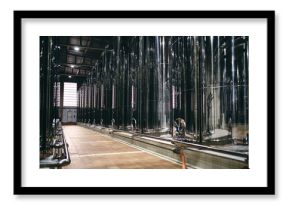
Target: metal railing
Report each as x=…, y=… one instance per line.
x=60, y=153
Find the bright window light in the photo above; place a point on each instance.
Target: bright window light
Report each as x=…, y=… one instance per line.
x=70, y=95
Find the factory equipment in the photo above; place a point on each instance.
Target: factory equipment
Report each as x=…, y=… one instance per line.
x=192, y=88
x=155, y=80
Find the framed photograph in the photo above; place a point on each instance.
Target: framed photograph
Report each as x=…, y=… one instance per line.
x=144, y=102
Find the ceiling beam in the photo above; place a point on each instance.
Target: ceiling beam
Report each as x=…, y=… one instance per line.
x=85, y=47
x=76, y=75
x=76, y=66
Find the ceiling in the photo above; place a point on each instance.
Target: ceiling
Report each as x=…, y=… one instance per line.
x=75, y=56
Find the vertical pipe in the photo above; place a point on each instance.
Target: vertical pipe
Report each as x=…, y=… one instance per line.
x=50, y=84
x=48, y=88
x=233, y=68
x=167, y=83
x=162, y=89
x=139, y=85
x=118, y=97
x=104, y=89
x=158, y=82
x=61, y=99
x=171, y=93
x=212, y=114
x=89, y=102
x=83, y=102
x=163, y=85
x=94, y=110
x=102, y=96
x=92, y=102
x=43, y=85
x=183, y=79
x=113, y=96
x=225, y=88
x=201, y=88
x=218, y=83
x=46, y=91
x=196, y=78
x=97, y=102
x=127, y=90
x=123, y=86
x=246, y=81
x=190, y=85
x=79, y=104
x=146, y=84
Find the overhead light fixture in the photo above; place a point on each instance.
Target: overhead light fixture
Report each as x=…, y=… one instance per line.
x=76, y=48
x=72, y=66
x=69, y=76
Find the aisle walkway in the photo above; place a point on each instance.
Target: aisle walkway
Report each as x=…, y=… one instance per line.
x=92, y=150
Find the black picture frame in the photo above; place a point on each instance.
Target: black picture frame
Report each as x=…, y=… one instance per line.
x=19, y=189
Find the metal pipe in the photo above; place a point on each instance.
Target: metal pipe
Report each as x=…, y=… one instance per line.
x=201, y=87
x=140, y=91
x=118, y=94
x=187, y=145
x=51, y=162
x=67, y=160
x=233, y=68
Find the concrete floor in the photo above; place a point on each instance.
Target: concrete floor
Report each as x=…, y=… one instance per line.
x=92, y=150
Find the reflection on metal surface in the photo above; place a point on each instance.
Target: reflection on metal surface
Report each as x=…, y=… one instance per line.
x=189, y=89
x=155, y=80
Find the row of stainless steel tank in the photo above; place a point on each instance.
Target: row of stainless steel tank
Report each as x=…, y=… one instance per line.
x=146, y=82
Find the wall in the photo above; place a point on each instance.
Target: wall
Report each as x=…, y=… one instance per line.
x=282, y=100
x=69, y=115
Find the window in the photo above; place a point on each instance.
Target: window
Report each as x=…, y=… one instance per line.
x=70, y=95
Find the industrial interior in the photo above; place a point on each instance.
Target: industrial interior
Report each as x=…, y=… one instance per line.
x=144, y=102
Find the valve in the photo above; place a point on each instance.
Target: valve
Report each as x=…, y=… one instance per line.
x=133, y=123
x=180, y=127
